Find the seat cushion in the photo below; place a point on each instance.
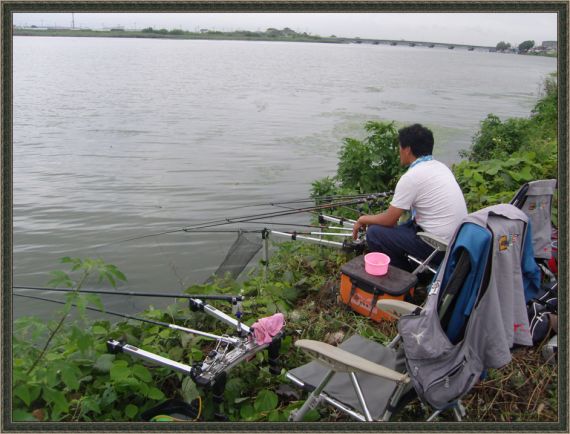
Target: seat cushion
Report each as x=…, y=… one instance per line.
x=376, y=390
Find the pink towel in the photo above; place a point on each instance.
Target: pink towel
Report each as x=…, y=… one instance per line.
x=265, y=328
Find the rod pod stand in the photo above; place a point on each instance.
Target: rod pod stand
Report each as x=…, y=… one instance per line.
x=218, y=389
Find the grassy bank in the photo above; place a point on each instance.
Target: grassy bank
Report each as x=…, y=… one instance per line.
x=74, y=378
x=278, y=36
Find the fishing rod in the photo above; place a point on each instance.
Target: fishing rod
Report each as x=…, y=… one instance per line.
x=213, y=370
x=226, y=339
x=328, y=197
x=295, y=236
x=227, y=231
x=231, y=298
x=348, y=245
x=290, y=211
x=247, y=218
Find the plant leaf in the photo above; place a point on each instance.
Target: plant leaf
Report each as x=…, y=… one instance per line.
x=57, y=398
x=104, y=362
x=247, y=412
x=189, y=390
x=23, y=392
x=70, y=377
x=142, y=373
x=119, y=372
x=131, y=411
x=23, y=416
x=60, y=278
x=266, y=400
x=155, y=393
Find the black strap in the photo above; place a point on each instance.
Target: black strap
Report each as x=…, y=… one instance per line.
x=352, y=290
x=373, y=304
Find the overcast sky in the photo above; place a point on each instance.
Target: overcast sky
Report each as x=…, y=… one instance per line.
x=459, y=28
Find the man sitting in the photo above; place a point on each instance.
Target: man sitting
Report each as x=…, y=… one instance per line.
x=429, y=190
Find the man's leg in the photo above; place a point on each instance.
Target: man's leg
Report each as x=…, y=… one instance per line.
x=396, y=242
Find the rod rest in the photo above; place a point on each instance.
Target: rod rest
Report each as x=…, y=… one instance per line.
x=115, y=347
x=195, y=306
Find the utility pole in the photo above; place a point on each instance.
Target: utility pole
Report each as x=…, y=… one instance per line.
x=73, y=20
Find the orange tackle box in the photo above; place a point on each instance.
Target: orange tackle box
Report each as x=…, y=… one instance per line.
x=361, y=290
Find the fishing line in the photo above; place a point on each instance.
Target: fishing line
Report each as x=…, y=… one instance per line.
x=329, y=197
x=290, y=211
x=254, y=205
x=275, y=223
x=242, y=219
x=227, y=231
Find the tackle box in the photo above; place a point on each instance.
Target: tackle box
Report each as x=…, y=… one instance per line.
x=361, y=290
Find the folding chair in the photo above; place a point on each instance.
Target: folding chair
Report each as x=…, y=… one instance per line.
x=535, y=200
x=474, y=313
x=438, y=244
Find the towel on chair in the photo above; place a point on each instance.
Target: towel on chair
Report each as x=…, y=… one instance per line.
x=265, y=328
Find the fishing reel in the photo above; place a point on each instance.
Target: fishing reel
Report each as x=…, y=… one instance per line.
x=356, y=246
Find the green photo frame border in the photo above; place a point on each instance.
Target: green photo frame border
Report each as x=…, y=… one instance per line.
x=7, y=8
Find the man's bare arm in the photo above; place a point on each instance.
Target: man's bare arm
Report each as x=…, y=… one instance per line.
x=388, y=218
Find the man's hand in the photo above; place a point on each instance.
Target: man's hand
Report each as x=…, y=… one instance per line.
x=356, y=228
x=387, y=218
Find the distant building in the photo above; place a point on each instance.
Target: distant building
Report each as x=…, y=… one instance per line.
x=550, y=45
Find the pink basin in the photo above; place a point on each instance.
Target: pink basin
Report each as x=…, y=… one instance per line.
x=376, y=263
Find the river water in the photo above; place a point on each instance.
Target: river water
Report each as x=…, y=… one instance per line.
x=119, y=138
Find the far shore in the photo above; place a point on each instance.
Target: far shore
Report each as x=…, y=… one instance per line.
x=273, y=35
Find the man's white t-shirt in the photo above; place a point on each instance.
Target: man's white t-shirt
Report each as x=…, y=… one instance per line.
x=431, y=190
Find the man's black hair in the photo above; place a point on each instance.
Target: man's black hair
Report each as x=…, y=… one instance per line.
x=417, y=137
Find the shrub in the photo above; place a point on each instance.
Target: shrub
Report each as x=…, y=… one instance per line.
x=497, y=139
x=506, y=154
x=365, y=166
x=545, y=112
x=373, y=164
x=495, y=181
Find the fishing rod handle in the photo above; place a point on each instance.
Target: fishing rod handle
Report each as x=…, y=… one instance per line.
x=340, y=221
x=114, y=346
x=226, y=339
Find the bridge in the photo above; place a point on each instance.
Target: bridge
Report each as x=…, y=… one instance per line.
x=394, y=42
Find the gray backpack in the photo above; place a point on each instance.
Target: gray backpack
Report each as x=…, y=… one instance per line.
x=487, y=315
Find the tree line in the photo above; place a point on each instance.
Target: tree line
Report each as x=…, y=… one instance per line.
x=523, y=47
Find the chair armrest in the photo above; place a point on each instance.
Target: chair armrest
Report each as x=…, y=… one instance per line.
x=396, y=308
x=340, y=360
